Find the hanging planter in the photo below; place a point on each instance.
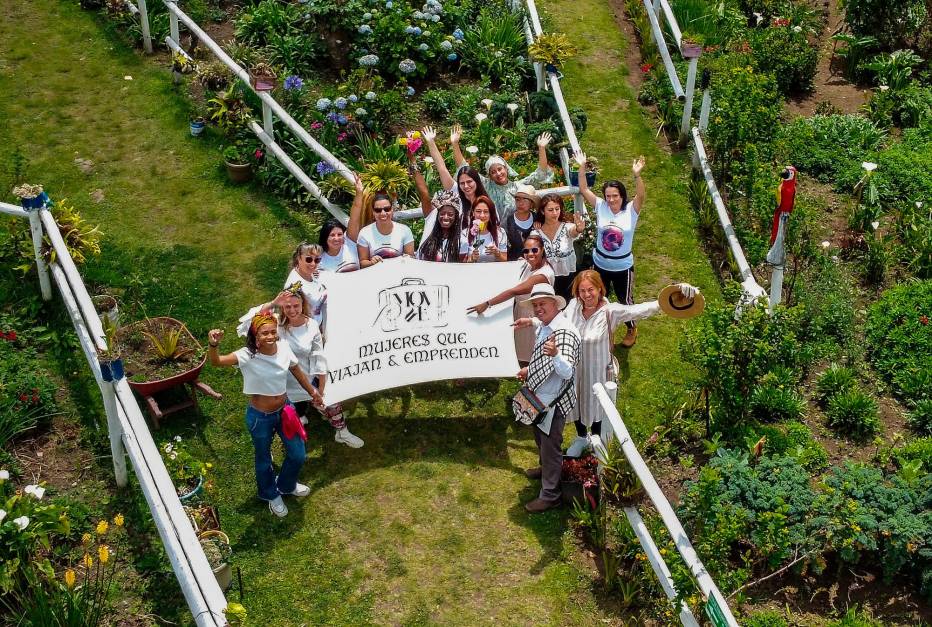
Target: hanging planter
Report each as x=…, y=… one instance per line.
x=188, y=493
x=31, y=196
x=107, y=309
x=111, y=369
x=262, y=77
x=690, y=46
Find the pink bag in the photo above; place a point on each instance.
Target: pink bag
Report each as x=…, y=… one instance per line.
x=291, y=424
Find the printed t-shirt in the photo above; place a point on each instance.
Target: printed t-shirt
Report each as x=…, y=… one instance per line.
x=385, y=246
x=614, y=237
x=347, y=260
x=484, y=239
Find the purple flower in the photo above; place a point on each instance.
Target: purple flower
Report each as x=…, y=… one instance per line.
x=293, y=83
x=333, y=116
x=324, y=168
x=342, y=119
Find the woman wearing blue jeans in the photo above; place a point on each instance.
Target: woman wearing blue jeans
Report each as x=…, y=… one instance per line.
x=266, y=365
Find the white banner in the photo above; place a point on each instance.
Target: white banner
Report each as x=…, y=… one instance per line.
x=404, y=321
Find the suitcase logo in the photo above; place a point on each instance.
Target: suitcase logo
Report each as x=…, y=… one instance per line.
x=413, y=305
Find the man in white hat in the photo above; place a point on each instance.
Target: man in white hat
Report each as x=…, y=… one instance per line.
x=550, y=375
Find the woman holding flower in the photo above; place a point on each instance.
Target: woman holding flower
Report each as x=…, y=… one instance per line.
x=500, y=188
x=266, y=365
x=484, y=240
x=536, y=270
x=616, y=221
x=558, y=232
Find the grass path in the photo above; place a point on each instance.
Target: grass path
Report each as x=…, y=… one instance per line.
x=425, y=524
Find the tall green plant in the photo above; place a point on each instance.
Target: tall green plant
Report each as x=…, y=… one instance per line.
x=495, y=47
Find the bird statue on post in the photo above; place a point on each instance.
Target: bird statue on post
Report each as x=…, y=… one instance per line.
x=776, y=256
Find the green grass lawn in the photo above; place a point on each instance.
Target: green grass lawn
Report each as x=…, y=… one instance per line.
x=425, y=524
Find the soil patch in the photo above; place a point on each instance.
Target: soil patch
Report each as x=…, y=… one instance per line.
x=632, y=50
x=157, y=349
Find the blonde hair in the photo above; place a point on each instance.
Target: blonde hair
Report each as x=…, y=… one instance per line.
x=593, y=277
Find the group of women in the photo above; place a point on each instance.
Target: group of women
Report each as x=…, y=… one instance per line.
x=474, y=218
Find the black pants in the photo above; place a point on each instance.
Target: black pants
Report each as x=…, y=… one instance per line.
x=623, y=284
x=581, y=428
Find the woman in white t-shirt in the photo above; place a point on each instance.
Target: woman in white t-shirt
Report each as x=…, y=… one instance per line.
x=536, y=270
x=266, y=365
x=384, y=238
x=483, y=240
x=305, y=262
x=616, y=221
x=338, y=241
x=558, y=232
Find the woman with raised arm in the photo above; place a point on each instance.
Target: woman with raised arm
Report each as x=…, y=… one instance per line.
x=384, y=238
x=500, y=189
x=483, y=240
x=616, y=220
x=536, y=270
x=266, y=365
x=339, y=242
x=459, y=190
x=559, y=231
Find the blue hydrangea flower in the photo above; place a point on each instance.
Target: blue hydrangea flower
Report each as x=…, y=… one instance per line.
x=446, y=45
x=323, y=104
x=353, y=98
x=409, y=91
x=458, y=34
x=340, y=103
x=389, y=4
x=333, y=116
x=365, y=29
x=324, y=168
x=368, y=60
x=370, y=95
x=452, y=56
x=423, y=47
x=418, y=15
x=434, y=18
x=361, y=112
x=293, y=83
x=367, y=16
x=342, y=119
x=416, y=30
x=409, y=30
x=407, y=66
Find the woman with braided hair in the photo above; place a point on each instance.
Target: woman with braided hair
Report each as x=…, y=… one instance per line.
x=266, y=364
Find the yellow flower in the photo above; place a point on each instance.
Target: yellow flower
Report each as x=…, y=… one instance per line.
x=402, y=141
x=416, y=134
x=482, y=227
x=88, y=560
x=102, y=527
x=209, y=465
x=118, y=519
x=86, y=539
x=103, y=553
x=69, y=578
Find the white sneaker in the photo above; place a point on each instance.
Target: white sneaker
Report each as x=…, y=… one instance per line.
x=343, y=436
x=277, y=506
x=577, y=447
x=300, y=490
x=598, y=448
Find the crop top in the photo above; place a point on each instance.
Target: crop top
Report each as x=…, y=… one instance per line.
x=266, y=374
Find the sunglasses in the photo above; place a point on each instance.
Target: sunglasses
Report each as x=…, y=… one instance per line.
x=530, y=250
x=381, y=209
x=312, y=259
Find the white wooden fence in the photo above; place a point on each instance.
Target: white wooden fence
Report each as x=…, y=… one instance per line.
x=128, y=431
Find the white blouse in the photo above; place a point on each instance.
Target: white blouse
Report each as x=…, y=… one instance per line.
x=307, y=344
x=560, y=251
x=316, y=294
x=266, y=374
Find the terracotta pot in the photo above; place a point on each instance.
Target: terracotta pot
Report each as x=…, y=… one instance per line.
x=238, y=172
x=150, y=388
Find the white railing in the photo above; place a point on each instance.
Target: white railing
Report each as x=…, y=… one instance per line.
x=655, y=9
x=129, y=434
x=710, y=592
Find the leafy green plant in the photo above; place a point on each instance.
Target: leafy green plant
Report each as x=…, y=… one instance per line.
x=834, y=380
x=771, y=402
x=185, y=470
x=919, y=417
x=894, y=70
x=787, y=55
x=824, y=145
x=894, y=24
x=27, y=393
x=853, y=413
x=165, y=343
x=494, y=46
x=853, y=52
x=228, y=110
x=552, y=49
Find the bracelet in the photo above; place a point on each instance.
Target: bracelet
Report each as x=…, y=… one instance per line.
x=488, y=304
x=212, y=345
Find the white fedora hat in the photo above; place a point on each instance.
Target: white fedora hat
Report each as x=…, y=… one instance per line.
x=545, y=290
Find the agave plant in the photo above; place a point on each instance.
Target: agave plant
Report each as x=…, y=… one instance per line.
x=165, y=343
x=552, y=49
x=386, y=175
x=81, y=239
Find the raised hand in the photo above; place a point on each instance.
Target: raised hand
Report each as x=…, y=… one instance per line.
x=544, y=139
x=456, y=133
x=430, y=134
x=687, y=290
x=358, y=184
x=580, y=159
x=214, y=336
x=638, y=165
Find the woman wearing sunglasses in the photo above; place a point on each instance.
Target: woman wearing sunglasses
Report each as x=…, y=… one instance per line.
x=384, y=238
x=305, y=265
x=536, y=270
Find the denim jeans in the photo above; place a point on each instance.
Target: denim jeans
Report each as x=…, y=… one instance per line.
x=262, y=427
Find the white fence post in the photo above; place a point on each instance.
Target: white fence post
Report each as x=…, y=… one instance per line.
x=268, y=119
x=115, y=431
x=706, y=106
x=688, y=106
x=144, y=24
x=173, y=22
x=35, y=227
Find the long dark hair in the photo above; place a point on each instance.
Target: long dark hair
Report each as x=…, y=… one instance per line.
x=449, y=249
x=549, y=198
x=492, y=226
x=325, y=231
x=621, y=190
x=480, y=191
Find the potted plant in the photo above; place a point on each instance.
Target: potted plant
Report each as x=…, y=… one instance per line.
x=107, y=308
x=160, y=353
x=198, y=121
x=110, y=360
x=592, y=168
x=691, y=45
x=31, y=196
x=262, y=77
x=203, y=517
x=580, y=480
x=187, y=473
x=553, y=50
x=216, y=546
x=181, y=64
x=236, y=159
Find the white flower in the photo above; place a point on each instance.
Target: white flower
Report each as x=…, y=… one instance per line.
x=918, y=206
x=826, y=244
x=480, y=117
x=884, y=87
x=423, y=47
x=169, y=448
x=487, y=102
x=173, y=456
x=875, y=224
x=835, y=258
x=472, y=149
x=406, y=66
x=177, y=438
x=446, y=45
x=512, y=107
x=2, y=514
x=429, y=160
x=870, y=167
x=370, y=95
x=4, y=475
x=22, y=522
x=361, y=112
x=37, y=491
x=797, y=29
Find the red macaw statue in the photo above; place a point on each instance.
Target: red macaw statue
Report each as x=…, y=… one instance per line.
x=786, y=199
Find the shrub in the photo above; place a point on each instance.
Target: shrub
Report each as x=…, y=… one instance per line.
x=853, y=413
x=900, y=335
x=919, y=449
x=27, y=394
x=775, y=403
x=894, y=24
x=919, y=417
x=494, y=46
x=787, y=55
x=823, y=145
x=835, y=380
